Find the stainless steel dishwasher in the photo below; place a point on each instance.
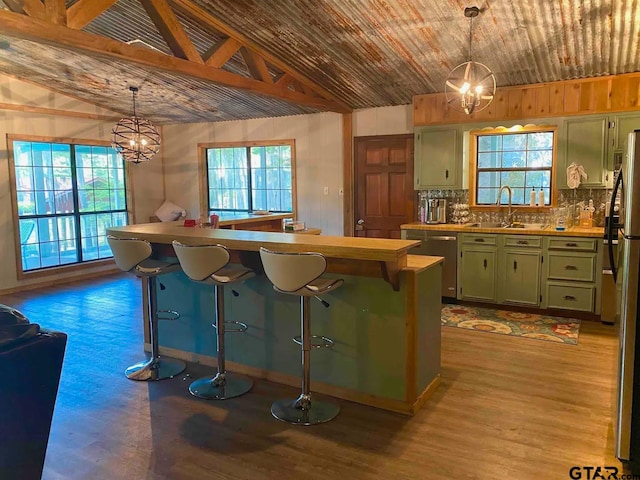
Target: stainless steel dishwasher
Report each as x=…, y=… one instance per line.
x=439, y=244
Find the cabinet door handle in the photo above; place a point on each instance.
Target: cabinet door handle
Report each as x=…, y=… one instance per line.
x=485, y=263
x=570, y=267
x=569, y=297
x=571, y=244
x=478, y=240
x=515, y=265
x=522, y=242
x=446, y=174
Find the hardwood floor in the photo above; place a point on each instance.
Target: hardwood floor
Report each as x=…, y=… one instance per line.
x=507, y=407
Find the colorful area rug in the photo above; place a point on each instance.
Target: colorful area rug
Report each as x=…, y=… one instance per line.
x=505, y=322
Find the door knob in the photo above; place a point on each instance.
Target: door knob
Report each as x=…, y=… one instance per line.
x=360, y=221
x=359, y=224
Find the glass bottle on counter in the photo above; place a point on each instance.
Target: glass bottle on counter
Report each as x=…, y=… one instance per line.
x=422, y=207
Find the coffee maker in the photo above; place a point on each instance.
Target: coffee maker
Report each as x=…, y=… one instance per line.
x=436, y=211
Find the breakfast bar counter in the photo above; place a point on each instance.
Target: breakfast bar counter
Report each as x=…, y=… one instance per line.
x=384, y=319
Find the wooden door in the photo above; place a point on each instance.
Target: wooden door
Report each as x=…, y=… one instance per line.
x=384, y=196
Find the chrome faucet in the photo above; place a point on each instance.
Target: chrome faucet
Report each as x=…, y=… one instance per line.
x=510, y=212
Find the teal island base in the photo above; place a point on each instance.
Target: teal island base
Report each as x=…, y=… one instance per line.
x=387, y=342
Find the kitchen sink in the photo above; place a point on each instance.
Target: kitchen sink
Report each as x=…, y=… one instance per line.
x=486, y=225
x=527, y=226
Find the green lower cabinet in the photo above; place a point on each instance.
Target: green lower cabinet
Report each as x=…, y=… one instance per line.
x=519, y=276
x=478, y=273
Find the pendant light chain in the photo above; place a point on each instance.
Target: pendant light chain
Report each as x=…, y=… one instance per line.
x=470, y=27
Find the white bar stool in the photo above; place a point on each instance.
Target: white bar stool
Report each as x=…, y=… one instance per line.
x=208, y=264
x=133, y=255
x=299, y=274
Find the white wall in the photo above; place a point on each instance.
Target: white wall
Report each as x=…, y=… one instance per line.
x=147, y=178
x=319, y=160
x=383, y=121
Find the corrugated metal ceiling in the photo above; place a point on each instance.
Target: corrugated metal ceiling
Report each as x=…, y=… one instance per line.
x=367, y=53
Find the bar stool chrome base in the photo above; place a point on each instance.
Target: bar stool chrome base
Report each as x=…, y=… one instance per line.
x=302, y=411
x=155, y=369
x=220, y=387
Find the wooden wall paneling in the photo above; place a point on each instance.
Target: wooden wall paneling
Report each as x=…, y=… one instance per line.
x=515, y=104
x=556, y=100
x=572, y=98
x=618, y=93
x=601, y=91
x=542, y=100
x=441, y=110
x=528, y=102
x=422, y=109
x=614, y=93
x=633, y=93
x=499, y=106
x=586, y=101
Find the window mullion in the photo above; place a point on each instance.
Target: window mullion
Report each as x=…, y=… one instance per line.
x=76, y=203
x=249, y=182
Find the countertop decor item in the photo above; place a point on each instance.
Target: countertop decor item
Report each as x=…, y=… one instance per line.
x=471, y=85
x=135, y=138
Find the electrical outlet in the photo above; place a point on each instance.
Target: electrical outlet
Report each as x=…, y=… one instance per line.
x=341, y=191
x=326, y=190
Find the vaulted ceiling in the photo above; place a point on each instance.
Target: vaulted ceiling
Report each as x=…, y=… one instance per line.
x=215, y=60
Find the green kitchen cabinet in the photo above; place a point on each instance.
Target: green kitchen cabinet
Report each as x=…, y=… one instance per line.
x=572, y=273
x=619, y=128
x=519, y=275
x=437, y=154
x=585, y=143
x=477, y=272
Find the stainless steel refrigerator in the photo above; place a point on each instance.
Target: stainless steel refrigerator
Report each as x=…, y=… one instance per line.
x=626, y=271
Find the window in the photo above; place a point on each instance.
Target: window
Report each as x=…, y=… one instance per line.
x=66, y=195
x=521, y=160
x=249, y=177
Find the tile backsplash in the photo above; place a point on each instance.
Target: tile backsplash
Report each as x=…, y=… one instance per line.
x=572, y=200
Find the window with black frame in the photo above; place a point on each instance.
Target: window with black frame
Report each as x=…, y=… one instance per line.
x=522, y=161
x=67, y=195
x=250, y=178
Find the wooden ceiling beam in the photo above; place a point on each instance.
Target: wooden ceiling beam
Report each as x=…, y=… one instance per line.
x=83, y=12
x=256, y=65
x=221, y=52
x=34, y=8
x=39, y=31
x=56, y=11
x=16, y=6
x=171, y=30
x=284, y=80
x=202, y=16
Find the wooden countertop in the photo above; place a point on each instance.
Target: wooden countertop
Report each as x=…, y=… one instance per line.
x=591, y=232
x=418, y=263
x=379, y=249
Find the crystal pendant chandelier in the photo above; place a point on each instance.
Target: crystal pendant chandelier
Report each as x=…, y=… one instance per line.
x=136, y=139
x=470, y=86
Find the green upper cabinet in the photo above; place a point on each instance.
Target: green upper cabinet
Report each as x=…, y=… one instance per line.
x=437, y=155
x=619, y=128
x=586, y=145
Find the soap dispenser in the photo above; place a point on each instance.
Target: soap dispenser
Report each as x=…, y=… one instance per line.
x=532, y=197
x=541, y=197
